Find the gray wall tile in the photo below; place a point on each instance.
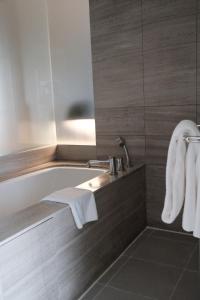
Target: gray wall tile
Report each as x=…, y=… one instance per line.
x=161, y=120
x=116, y=44
x=170, y=76
x=158, y=10
x=118, y=81
x=198, y=114
x=145, y=55
x=116, y=121
x=112, y=16
x=168, y=33
x=156, y=149
x=198, y=58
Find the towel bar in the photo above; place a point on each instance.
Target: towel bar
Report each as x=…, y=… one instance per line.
x=192, y=139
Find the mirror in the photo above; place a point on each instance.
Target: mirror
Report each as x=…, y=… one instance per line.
x=45, y=70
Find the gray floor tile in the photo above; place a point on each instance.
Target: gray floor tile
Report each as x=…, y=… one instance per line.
x=109, y=293
x=188, y=287
x=194, y=261
x=145, y=235
x=164, y=251
x=147, y=279
x=93, y=292
x=174, y=236
x=110, y=273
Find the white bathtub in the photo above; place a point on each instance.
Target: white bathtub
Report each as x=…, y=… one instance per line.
x=24, y=191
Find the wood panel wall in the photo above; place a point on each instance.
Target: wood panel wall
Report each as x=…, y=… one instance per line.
x=146, y=79
x=13, y=164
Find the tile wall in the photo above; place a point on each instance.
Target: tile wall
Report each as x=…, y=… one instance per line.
x=146, y=74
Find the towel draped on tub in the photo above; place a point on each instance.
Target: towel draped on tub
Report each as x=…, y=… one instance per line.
x=82, y=204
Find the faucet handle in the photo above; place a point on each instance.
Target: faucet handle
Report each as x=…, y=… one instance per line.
x=120, y=164
x=112, y=166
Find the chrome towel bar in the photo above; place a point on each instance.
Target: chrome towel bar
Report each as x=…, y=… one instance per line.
x=192, y=139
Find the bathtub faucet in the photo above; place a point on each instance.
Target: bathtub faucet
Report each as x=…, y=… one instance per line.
x=122, y=143
x=98, y=163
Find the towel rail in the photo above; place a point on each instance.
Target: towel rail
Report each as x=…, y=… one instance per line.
x=192, y=139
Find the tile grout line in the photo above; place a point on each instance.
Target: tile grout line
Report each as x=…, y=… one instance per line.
x=127, y=259
x=96, y=281
x=132, y=293
x=170, y=231
x=172, y=240
x=147, y=237
x=117, y=272
x=156, y=263
x=130, y=257
x=143, y=86
x=107, y=283
x=182, y=273
x=169, y=17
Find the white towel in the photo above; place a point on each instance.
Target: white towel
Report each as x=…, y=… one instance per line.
x=175, y=170
x=82, y=204
x=191, y=213
x=196, y=232
x=192, y=178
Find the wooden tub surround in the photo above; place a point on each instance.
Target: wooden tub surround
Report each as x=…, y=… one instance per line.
x=44, y=256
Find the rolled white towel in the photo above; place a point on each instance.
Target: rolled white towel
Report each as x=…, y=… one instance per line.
x=196, y=231
x=192, y=179
x=81, y=201
x=175, y=170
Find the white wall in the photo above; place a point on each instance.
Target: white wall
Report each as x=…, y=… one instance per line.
x=45, y=67
x=26, y=97
x=69, y=24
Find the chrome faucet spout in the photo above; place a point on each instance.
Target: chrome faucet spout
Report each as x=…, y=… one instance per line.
x=111, y=164
x=96, y=163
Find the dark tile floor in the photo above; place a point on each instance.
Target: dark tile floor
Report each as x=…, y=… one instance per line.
x=159, y=265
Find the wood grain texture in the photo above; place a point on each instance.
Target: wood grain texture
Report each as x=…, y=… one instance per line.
x=198, y=114
x=12, y=164
x=170, y=76
x=162, y=120
x=156, y=10
x=75, y=152
x=198, y=57
x=158, y=73
x=115, y=16
x=12, y=226
x=116, y=51
x=169, y=33
x=157, y=149
x=118, y=81
x=116, y=121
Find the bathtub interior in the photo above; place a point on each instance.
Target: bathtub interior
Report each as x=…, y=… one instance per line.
x=21, y=192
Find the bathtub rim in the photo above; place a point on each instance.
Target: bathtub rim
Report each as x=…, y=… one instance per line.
x=9, y=224
x=48, y=169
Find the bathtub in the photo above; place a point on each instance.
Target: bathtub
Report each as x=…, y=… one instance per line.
x=42, y=253
x=24, y=191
